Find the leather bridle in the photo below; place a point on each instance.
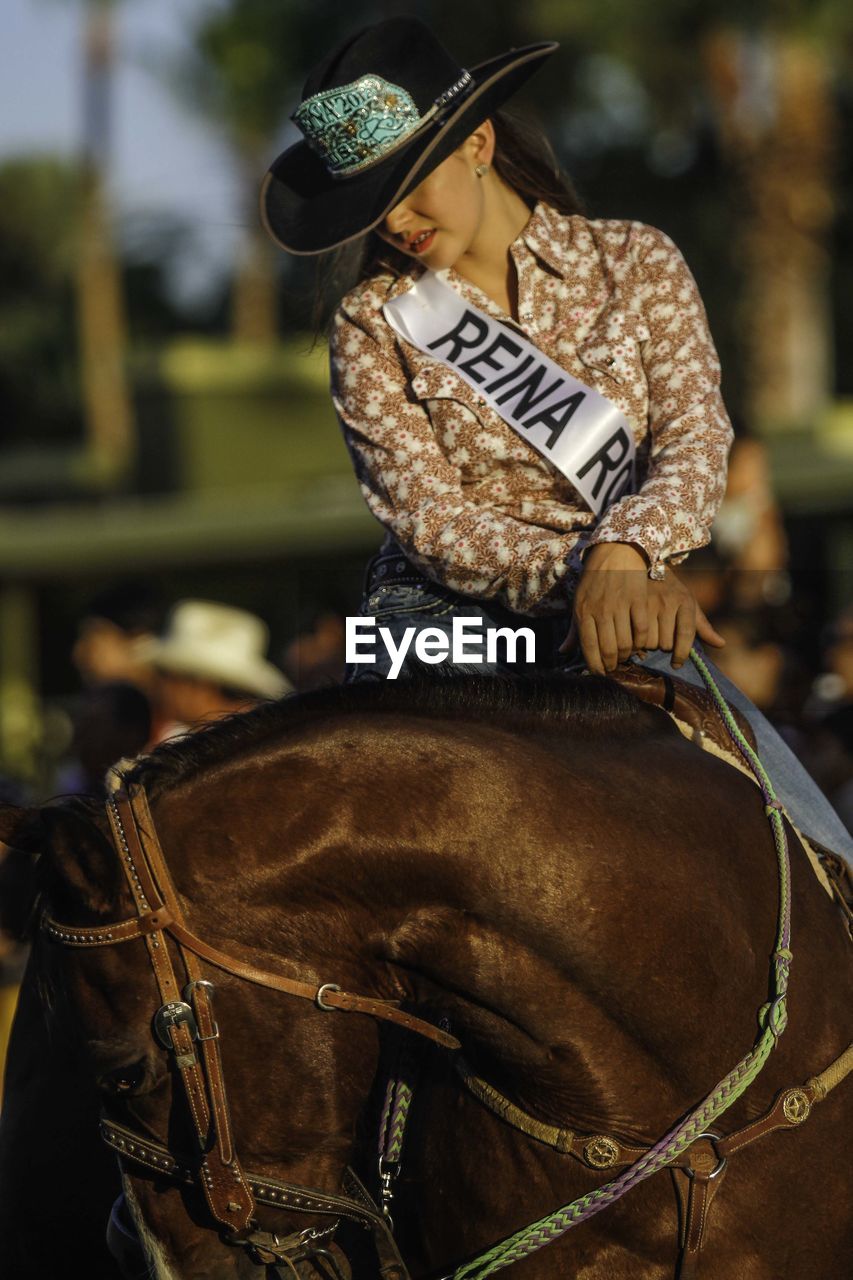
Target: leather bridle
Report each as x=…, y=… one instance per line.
x=185, y=1025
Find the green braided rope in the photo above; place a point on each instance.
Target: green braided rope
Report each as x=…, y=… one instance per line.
x=397, y=1125
x=773, y=810
x=772, y=1022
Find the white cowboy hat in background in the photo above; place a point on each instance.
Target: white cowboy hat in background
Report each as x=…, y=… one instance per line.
x=217, y=642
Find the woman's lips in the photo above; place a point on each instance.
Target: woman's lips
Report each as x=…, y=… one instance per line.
x=424, y=244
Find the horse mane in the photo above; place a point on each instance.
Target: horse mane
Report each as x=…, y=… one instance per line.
x=580, y=705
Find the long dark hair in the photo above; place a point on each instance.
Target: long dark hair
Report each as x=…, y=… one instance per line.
x=523, y=157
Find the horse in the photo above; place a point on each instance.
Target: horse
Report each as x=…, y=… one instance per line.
x=549, y=876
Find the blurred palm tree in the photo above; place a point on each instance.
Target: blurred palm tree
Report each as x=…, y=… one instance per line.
x=40, y=210
x=102, y=321
x=765, y=72
x=243, y=74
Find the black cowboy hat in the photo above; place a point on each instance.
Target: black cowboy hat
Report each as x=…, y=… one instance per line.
x=379, y=113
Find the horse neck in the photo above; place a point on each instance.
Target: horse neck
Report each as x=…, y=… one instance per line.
x=499, y=887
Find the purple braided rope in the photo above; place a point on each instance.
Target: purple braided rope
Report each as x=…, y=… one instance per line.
x=398, y=1115
x=385, y=1117
x=395, y=1109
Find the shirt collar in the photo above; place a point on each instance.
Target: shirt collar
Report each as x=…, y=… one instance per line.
x=547, y=235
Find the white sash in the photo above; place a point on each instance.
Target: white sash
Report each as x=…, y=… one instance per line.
x=572, y=425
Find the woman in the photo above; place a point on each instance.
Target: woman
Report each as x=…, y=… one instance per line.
x=459, y=225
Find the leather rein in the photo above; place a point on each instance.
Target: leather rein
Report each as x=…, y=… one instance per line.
x=185, y=1025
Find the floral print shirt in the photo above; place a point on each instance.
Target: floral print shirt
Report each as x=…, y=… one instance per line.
x=472, y=504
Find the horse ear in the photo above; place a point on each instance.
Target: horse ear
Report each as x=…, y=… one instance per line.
x=20, y=829
x=78, y=867
x=21, y=837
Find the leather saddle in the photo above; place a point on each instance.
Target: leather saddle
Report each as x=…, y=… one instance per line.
x=686, y=702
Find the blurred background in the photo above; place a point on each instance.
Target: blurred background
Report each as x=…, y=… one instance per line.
x=165, y=427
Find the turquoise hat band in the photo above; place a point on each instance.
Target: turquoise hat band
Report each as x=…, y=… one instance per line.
x=354, y=126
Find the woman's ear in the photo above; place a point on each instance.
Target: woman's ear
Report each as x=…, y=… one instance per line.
x=480, y=145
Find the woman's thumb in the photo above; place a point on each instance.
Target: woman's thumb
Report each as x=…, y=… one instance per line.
x=706, y=631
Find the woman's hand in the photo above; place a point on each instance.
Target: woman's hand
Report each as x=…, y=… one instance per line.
x=619, y=610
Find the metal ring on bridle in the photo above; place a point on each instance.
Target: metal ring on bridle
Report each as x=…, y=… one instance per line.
x=722, y=1161
x=318, y=999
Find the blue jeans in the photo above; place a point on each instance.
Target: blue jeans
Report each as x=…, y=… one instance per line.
x=416, y=602
x=401, y=606
x=802, y=797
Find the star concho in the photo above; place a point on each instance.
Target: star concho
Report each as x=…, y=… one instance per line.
x=796, y=1106
x=601, y=1152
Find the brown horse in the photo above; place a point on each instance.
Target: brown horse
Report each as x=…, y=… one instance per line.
x=584, y=897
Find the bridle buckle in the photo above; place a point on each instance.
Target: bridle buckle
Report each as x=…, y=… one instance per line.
x=174, y=1013
x=318, y=999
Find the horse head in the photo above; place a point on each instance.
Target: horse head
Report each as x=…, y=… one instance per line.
x=224, y=1094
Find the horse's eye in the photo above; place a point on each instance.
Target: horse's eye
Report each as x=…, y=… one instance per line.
x=123, y=1081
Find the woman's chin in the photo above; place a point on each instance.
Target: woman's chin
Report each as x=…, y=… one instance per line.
x=438, y=261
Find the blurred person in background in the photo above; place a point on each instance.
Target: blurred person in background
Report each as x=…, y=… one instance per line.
x=115, y=627
x=112, y=721
x=210, y=662
x=837, y=734
x=829, y=718
x=752, y=659
x=834, y=686
x=748, y=532
x=762, y=657
x=317, y=656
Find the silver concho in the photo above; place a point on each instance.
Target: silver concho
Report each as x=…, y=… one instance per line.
x=173, y=1014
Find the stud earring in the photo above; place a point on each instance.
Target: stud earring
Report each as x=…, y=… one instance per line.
x=481, y=169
